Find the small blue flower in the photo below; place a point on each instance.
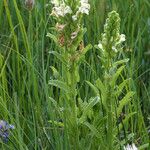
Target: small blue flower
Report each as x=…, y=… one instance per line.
x=4, y=130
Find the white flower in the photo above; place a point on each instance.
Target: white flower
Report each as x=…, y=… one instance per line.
x=84, y=8
x=74, y=17
x=130, y=147
x=61, y=10
x=84, y=1
x=122, y=38
x=67, y=10
x=100, y=45
x=55, y=2
x=114, y=49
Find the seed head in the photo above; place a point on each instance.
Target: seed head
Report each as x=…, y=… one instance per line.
x=29, y=4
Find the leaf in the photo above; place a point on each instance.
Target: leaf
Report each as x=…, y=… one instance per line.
x=125, y=120
x=89, y=106
x=103, y=91
x=55, y=104
x=121, y=86
x=143, y=147
x=84, y=51
x=93, y=87
x=124, y=102
x=120, y=62
x=53, y=37
x=93, y=129
x=116, y=75
x=100, y=86
x=55, y=72
x=60, y=84
x=57, y=123
x=59, y=56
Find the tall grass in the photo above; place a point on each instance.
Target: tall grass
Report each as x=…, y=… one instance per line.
x=27, y=65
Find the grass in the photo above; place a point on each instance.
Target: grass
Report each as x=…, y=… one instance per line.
x=35, y=107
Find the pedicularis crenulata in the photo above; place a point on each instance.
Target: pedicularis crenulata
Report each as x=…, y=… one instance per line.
x=82, y=122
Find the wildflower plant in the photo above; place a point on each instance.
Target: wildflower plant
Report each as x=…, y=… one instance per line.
x=109, y=87
x=68, y=36
x=112, y=87
x=5, y=130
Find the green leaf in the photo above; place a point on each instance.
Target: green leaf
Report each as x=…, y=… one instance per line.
x=143, y=147
x=56, y=123
x=94, y=131
x=60, y=84
x=121, y=86
x=101, y=86
x=53, y=37
x=120, y=62
x=116, y=75
x=55, y=72
x=88, y=107
x=59, y=56
x=93, y=87
x=124, y=102
x=103, y=90
x=55, y=105
x=125, y=120
x=84, y=51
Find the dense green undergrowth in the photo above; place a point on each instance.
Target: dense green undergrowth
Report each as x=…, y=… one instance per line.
x=86, y=98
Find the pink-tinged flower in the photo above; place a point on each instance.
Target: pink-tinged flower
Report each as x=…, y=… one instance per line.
x=60, y=27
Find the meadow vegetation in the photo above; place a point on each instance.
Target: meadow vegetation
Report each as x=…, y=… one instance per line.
x=75, y=75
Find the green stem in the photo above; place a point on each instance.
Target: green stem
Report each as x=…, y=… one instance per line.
x=73, y=95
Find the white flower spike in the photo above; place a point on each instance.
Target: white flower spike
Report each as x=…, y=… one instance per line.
x=122, y=38
x=130, y=147
x=60, y=9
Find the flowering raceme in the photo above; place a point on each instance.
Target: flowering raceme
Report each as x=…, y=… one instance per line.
x=69, y=16
x=61, y=8
x=84, y=8
x=111, y=38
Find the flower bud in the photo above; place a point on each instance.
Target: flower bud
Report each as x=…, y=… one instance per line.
x=29, y=4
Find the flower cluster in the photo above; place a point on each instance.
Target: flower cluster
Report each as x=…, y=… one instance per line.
x=60, y=9
x=84, y=8
x=4, y=130
x=111, y=38
x=68, y=16
x=130, y=147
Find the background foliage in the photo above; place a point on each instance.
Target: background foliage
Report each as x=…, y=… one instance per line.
x=25, y=70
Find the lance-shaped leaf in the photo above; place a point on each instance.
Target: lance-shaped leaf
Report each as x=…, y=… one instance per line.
x=124, y=102
x=60, y=84
x=116, y=75
x=59, y=56
x=53, y=37
x=84, y=51
x=120, y=62
x=125, y=120
x=89, y=106
x=94, y=88
x=121, y=86
x=55, y=72
x=92, y=128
